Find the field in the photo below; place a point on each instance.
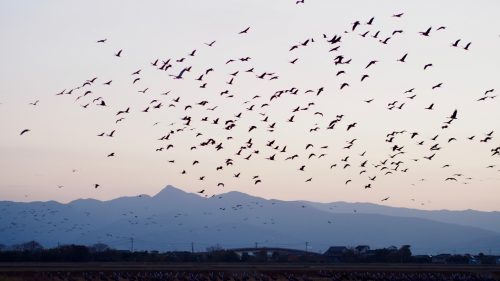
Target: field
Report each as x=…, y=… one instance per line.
x=243, y=272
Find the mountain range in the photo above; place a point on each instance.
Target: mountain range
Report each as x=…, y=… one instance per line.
x=176, y=220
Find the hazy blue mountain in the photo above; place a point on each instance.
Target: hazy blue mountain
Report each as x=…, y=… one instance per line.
x=173, y=219
x=485, y=220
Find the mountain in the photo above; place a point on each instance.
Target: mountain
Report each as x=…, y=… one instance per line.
x=485, y=220
x=176, y=220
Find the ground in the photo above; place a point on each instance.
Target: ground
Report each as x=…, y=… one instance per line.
x=241, y=272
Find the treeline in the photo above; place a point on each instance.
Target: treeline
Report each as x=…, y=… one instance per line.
x=34, y=252
x=385, y=255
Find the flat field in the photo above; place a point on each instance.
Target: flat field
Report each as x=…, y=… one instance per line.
x=243, y=272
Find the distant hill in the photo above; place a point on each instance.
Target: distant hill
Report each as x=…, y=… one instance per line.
x=485, y=220
x=173, y=219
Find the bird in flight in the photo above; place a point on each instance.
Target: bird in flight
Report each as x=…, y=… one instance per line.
x=426, y=33
x=453, y=115
x=210, y=44
x=371, y=63
x=244, y=30
x=402, y=59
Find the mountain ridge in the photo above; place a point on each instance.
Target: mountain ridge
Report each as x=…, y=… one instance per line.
x=172, y=219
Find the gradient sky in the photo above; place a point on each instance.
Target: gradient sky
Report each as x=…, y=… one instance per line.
x=48, y=46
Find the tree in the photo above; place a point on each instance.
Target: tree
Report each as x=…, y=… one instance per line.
x=405, y=253
x=261, y=255
x=349, y=255
x=485, y=259
x=458, y=259
x=214, y=248
x=99, y=247
x=245, y=257
x=75, y=253
x=28, y=246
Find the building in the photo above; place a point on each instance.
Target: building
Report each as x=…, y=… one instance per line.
x=441, y=258
x=276, y=253
x=362, y=249
x=335, y=253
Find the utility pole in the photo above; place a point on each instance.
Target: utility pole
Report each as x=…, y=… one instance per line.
x=307, y=246
x=256, y=245
x=192, y=247
x=132, y=244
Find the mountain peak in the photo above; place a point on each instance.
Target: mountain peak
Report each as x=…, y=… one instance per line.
x=170, y=192
x=237, y=195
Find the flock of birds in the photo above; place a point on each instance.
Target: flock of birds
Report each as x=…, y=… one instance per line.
x=256, y=109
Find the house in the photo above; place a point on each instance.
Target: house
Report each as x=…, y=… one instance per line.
x=279, y=253
x=441, y=258
x=362, y=249
x=421, y=258
x=335, y=253
x=475, y=260
x=392, y=248
x=268, y=251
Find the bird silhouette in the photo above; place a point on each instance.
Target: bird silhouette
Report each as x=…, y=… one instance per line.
x=371, y=63
x=244, y=30
x=402, y=59
x=210, y=44
x=453, y=115
x=344, y=85
x=426, y=33
x=437, y=86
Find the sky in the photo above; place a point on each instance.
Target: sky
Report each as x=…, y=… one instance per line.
x=51, y=46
